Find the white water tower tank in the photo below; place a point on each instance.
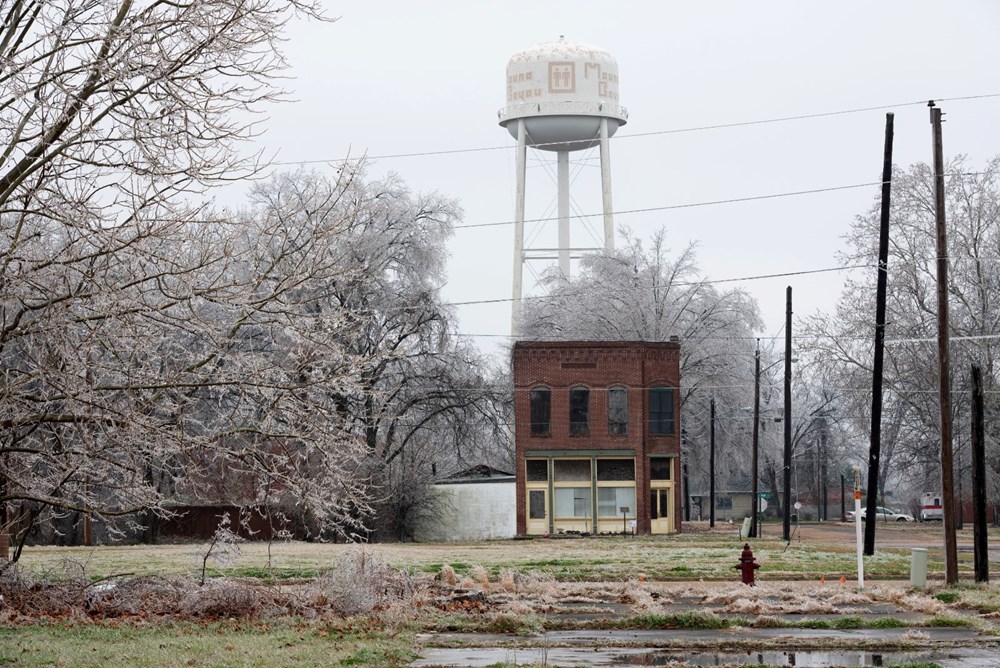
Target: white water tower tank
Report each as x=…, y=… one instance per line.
x=562, y=96
x=562, y=90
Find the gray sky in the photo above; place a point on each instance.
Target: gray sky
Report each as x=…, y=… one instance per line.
x=413, y=77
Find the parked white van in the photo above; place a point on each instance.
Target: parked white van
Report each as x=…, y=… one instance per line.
x=930, y=507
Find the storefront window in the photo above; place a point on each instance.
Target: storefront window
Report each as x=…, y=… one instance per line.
x=572, y=501
x=611, y=500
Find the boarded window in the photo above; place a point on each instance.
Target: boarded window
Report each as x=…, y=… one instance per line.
x=536, y=504
x=541, y=411
x=611, y=500
x=579, y=411
x=661, y=411
x=617, y=411
x=615, y=469
x=660, y=468
x=572, y=502
x=571, y=470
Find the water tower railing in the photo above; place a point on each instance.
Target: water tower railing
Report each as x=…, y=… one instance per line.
x=567, y=108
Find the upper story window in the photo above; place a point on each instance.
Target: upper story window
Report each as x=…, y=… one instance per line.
x=579, y=411
x=660, y=468
x=541, y=411
x=617, y=411
x=661, y=411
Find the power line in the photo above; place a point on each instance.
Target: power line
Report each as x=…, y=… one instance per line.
x=678, y=284
x=691, y=205
x=687, y=205
x=719, y=126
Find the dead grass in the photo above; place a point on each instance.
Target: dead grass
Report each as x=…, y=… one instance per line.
x=685, y=557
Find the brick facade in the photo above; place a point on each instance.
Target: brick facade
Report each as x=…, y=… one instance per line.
x=633, y=365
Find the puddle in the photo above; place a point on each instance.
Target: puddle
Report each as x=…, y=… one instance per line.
x=484, y=657
x=809, y=659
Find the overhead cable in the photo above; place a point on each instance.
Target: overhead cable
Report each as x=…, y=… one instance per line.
x=719, y=126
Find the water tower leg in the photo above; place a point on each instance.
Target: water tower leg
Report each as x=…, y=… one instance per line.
x=609, y=225
x=521, y=161
x=563, y=182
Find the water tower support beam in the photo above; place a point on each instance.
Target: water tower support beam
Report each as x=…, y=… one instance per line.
x=520, y=166
x=562, y=161
x=609, y=225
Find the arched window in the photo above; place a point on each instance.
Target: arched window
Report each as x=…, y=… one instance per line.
x=661, y=411
x=541, y=411
x=617, y=411
x=579, y=411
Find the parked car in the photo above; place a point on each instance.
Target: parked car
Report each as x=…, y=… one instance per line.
x=883, y=514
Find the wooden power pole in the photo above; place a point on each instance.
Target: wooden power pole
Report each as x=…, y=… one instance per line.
x=944, y=364
x=755, y=513
x=711, y=466
x=875, y=446
x=980, y=549
x=786, y=523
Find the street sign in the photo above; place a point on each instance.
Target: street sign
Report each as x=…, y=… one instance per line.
x=761, y=505
x=798, y=505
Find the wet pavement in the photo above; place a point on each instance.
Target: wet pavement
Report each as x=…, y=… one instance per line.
x=943, y=646
x=559, y=656
x=974, y=644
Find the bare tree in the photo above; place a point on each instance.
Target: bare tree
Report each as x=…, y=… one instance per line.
x=643, y=294
x=421, y=397
x=113, y=284
x=842, y=342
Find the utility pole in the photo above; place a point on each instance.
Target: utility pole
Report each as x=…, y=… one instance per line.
x=711, y=465
x=980, y=550
x=826, y=495
x=875, y=447
x=756, y=442
x=843, y=503
x=944, y=364
x=786, y=523
x=687, y=495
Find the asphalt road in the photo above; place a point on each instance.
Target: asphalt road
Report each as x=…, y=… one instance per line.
x=929, y=535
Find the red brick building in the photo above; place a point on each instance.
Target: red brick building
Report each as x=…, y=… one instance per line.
x=597, y=436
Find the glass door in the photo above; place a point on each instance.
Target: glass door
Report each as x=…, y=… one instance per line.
x=538, y=512
x=661, y=509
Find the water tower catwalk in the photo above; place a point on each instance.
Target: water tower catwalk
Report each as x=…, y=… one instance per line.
x=561, y=96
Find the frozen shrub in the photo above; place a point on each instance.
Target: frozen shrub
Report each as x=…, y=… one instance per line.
x=536, y=582
x=151, y=595
x=767, y=622
x=223, y=548
x=922, y=603
x=481, y=576
x=221, y=598
x=447, y=574
x=41, y=596
x=506, y=580
x=360, y=583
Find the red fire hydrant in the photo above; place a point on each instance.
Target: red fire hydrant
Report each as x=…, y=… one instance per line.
x=747, y=565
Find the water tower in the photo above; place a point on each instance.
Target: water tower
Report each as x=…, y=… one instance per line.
x=561, y=96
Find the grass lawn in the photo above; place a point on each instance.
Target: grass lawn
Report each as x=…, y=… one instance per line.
x=275, y=644
x=625, y=583
x=688, y=556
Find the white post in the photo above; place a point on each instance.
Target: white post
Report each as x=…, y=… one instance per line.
x=562, y=159
x=857, y=527
x=520, y=165
x=609, y=225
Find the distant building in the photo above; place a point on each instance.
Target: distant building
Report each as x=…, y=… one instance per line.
x=474, y=504
x=597, y=436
